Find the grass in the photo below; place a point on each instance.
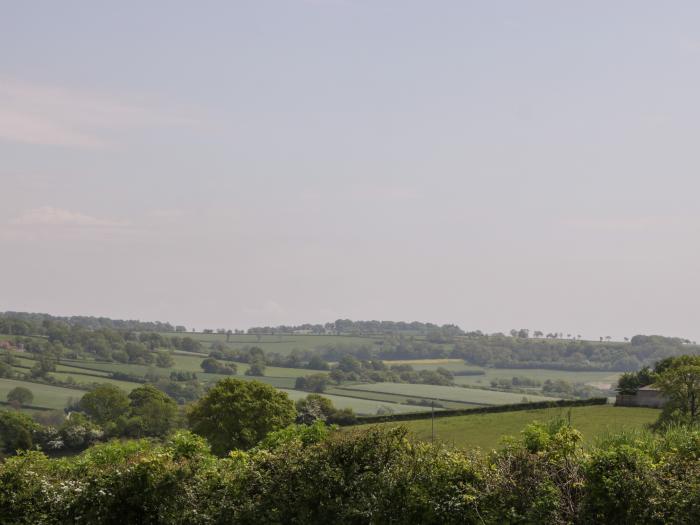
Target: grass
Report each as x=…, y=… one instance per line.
x=188, y=363
x=281, y=344
x=486, y=431
x=82, y=379
x=420, y=364
x=603, y=378
x=448, y=393
x=389, y=398
x=360, y=406
x=47, y=396
x=457, y=365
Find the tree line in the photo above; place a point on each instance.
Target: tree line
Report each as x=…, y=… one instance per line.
x=26, y=323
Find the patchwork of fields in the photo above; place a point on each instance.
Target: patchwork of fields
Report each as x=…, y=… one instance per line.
x=281, y=344
x=448, y=393
x=364, y=398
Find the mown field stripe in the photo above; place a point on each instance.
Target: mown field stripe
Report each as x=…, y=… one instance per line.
x=473, y=403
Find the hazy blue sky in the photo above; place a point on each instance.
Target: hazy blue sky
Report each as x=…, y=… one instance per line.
x=224, y=164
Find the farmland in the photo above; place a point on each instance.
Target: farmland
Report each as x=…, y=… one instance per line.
x=361, y=406
x=365, y=398
x=281, y=344
x=486, y=431
x=45, y=396
x=482, y=376
x=359, y=392
x=447, y=393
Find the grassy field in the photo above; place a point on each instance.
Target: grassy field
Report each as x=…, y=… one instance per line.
x=190, y=363
x=44, y=395
x=448, y=393
x=391, y=398
x=594, y=378
x=281, y=344
x=486, y=431
x=82, y=379
x=429, y=364
x=360, y=406
x=600, y=379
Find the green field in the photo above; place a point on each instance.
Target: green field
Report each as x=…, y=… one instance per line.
x=457, y=365
x=448, y=393
x=281, y=344
x=82, y=379
x=392, y=398
x=46, y=396
x=593, y=378
x=190, y=363
x=360, y=406
x=485, y=431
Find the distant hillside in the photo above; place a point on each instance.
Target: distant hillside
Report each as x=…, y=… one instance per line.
x=25, y=323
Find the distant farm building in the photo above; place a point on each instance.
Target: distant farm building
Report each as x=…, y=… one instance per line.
x=647, y=396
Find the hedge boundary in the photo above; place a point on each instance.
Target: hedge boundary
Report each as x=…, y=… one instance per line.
x=561, y=403
x=28, y=407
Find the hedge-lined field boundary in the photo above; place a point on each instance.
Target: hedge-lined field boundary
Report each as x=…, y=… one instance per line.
x=28, y=407
x=361, y=420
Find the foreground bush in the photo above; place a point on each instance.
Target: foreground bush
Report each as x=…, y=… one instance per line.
x=309, y=474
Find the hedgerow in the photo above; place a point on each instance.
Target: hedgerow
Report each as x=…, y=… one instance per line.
x=304, y=474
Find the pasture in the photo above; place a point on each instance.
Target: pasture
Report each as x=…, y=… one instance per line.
x=47, y=396
x=486, y=431
x=448, y=393
x=88, y=380
x=598, y=379
x=393, y=398
x=360, y=406
x=281, y=344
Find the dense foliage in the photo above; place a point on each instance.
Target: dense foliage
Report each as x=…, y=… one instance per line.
x=501, y=351
x=305, y=474
x=25, y=323
x=238, y=414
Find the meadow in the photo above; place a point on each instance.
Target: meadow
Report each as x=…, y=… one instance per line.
x=282, y=344
x=394, y=398
x=486, y=431
x=359, y=405
x=603, y=379
x=45, y=396
x=448, y=393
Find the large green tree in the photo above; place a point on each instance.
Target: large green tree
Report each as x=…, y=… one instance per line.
x=105, y=404
x=680, y=383
x=238, y=414
x=151, y=412
x=16, y=431
x=20, y=395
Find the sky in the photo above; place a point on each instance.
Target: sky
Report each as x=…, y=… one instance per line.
x=495, y=164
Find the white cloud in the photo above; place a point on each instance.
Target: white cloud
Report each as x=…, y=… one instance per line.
x=40, y=114
x=50, y=216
